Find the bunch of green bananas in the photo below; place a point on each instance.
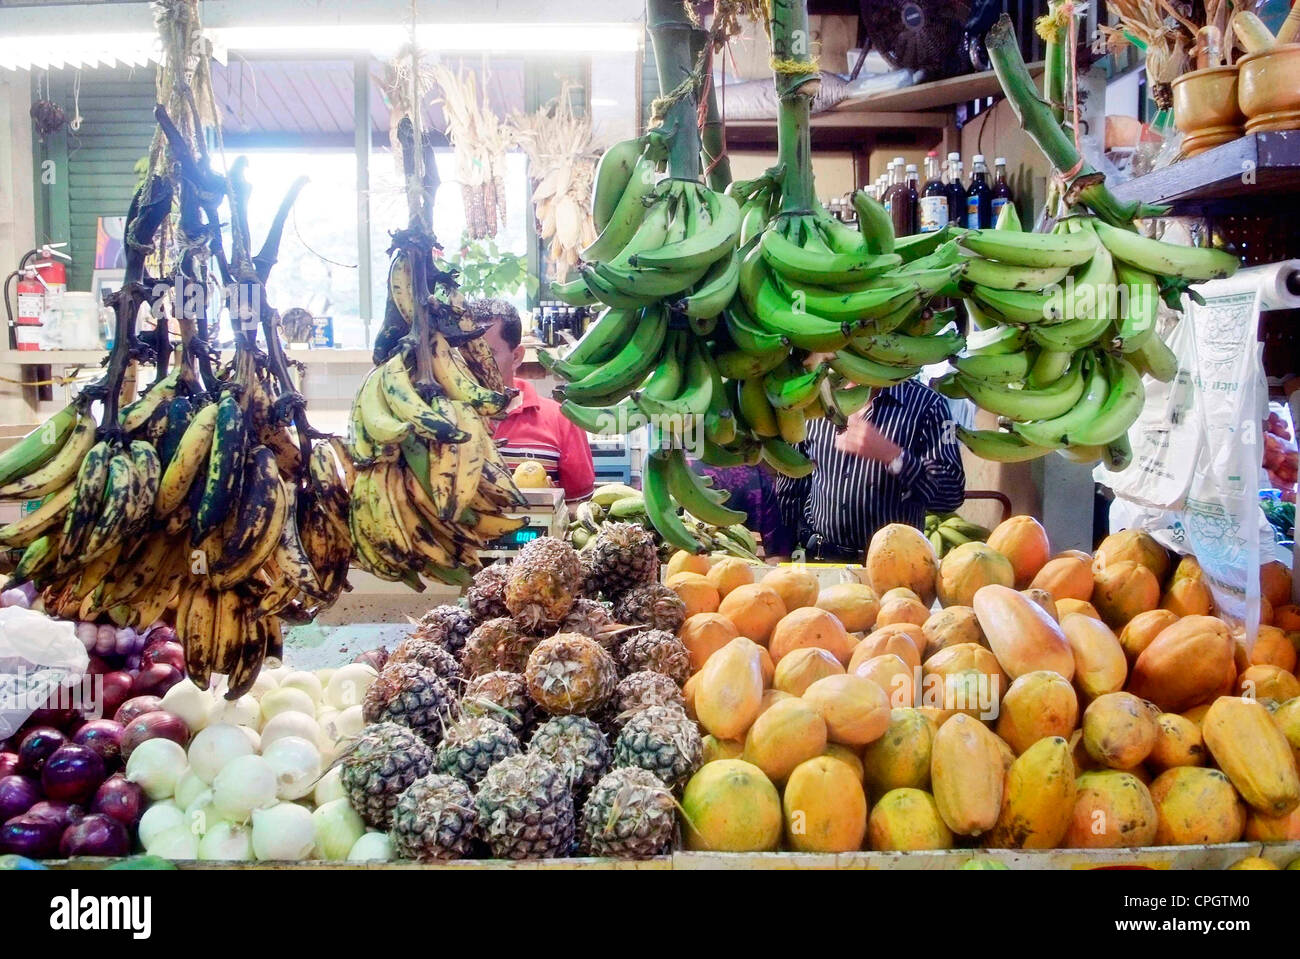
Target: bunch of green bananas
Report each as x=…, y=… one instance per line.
x=948, y=530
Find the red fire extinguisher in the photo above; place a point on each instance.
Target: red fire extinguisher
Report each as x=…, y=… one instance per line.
x=37, y=283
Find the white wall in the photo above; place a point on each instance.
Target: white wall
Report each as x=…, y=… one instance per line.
x=17, y=216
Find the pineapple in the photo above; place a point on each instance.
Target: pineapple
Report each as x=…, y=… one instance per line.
x=658, y=651
x=502, y=696
x=472, y=746
x=621, y=557
x=544, y=581
x=430, y=654
x=653, y=605
x=487, y=595
x=594, y=620
x=662, y=739
x=569, y=673
x=630, y=814
x=639, y=690
x=525, y=808
x=412, y=695
x=434, y=819
x=448, y=626
x=496, y=644
x=577, y=746
x=378, y=767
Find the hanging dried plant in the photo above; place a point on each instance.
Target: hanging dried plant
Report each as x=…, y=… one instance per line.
x=480, y=141
x=1167, y=41
x=396, y=84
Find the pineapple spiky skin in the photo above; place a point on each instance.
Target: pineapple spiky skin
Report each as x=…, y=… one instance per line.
x=525, y=808
x=429, y=654
x=503, y=696
x=486, y=597
x=434, y=819
x=379, y=766
x=447, y=625
x=545, y=579
x=593, y=620
x=653, y=605
x=569, y=673
x=471, y=747
x=640, y=690
x=657, y=651
x=623, y=556
x=630, y=814
x=413, y=696
x=663, y=740
x=576, y=745
x=496, y=644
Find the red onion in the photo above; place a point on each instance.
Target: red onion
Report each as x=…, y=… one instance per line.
x=114, y=690
x=17, y=795
x=137, y=706
x=58, y=718
x=124, y=640
x=156, y=725
x=173, y=654
x=98, y=666
x=33, y=838
x=96, y=835
x=73, y=773
x=36, y=748
x=122, y=800
x=56, y=810
x=159, y=633
x=156, y=678
x=8, y=763
x=104, y=736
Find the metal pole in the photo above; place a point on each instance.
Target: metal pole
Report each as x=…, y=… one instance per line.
x=361, y=124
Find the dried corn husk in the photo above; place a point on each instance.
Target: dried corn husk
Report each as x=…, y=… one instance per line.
x=480, y=140
x=1169, y=41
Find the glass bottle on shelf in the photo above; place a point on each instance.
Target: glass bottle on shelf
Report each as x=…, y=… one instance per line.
x=933, y=213
x=1001, y=189
x=979, y=198
x=906, y=201
x=956, y=190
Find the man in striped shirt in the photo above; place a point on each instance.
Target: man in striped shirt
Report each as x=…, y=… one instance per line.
x=896, y=461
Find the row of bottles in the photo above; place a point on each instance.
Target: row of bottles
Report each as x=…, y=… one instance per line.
x=943, y=199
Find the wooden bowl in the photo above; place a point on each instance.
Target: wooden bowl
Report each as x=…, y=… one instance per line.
x=1269, y=89
x=1205, y=108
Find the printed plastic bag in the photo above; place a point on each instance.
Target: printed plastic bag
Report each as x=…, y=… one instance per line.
x=38, y=655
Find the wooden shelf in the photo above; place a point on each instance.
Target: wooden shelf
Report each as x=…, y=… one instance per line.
x=928, y=96
x=1251, y=171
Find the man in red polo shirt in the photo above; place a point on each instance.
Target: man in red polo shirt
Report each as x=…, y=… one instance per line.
x=533, y=427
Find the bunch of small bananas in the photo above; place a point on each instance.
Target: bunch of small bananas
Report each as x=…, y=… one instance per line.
x=618, y=503
x=946, y=531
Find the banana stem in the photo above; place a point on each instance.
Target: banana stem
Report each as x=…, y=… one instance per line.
x=713, y=137
x=1054, y=64
x=791, y=43
x=670, y=32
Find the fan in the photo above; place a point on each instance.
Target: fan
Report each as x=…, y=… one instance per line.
x=916, y=34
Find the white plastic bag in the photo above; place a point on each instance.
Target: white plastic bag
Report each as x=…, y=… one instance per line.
x=38, y=655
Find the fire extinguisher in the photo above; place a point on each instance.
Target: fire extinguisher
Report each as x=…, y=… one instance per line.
x=36, y=283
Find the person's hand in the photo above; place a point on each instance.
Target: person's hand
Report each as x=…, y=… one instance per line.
x=862, y=439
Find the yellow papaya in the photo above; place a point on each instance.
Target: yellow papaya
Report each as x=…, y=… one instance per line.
x=1112, y=809
x=901, y=757
x=1037, y=798
x=907, y=820
x=1253, y=753
x=967, y=774
x=825, y=807
x=1196, y=805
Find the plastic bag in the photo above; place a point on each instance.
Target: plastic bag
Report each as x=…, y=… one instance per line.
x=38, y=656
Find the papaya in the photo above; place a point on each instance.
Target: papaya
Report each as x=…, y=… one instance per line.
x=1189, y=596
x=1268, y=682
x=855, y=604
x=1184, y=664
x=899, y=592
x=1141, y=629
x=730, y=689
x=1287, y=618
x=766, y=666
x=1065, y=577
x=729, y=573
x=716, y=749
x=1132, y=545
x=902, y=639
x=1112, y=809
x=1262, y=828
x=966, y=569
x=704, y=634
x=796, y=587
x=1253, y=753
x=770, y=698
x=1122, y=590
x=1254, y=863
x=962, y=660
x=684, y=562
x=1265, y=612
x=803, y=667
x=1099, y=663
x=1178, y=743
x=1044, y=599
x=901, y=757
x=696, y=592
x=950, y=626
x=1082, y=761
x=847, y=756
x=1038, y=705
x=825, y=807
x=1022, y=636
x=900, y=555
x=902, y=610
x=892, y=675
x=1287, y=718
x=1272, y=648
x=689, y=689
x=1275, y=583
x=1037, y=798
x=907, y=820
x=787, y=733
x=967, y=775
x=856, y=710
x=810, y=627
x=1197, y=713
x=1064, y=607
x=1023, y=541
x=1119, y=730
x=754, y=609
x=730, y=806
x=1196, y=805
x=1187, y=566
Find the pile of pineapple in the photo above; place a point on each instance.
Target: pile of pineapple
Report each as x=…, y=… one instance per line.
x=544, y=719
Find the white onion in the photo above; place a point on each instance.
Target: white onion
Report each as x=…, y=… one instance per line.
x=227, y=841
x=262, y=685
x=188, y=789
x=372, y=847
x=347, y=687
x=290, y=723
x=284, y=831
x=324, y=675
x=201, y=815
x=244, y=784
x=156, y=765
x=348, y=723
x=282, y=699
x=329, y=787
x=253, y=736
x=296, y=762
x=175, y=843
x=338, y=827
x=214, y=747
x=307, y=682
x=244, y=711
x=189, y=703
x=158, y=818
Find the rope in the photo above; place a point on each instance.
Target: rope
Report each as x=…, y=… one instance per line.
x=794, y=68
x=319, y=256
x=55, y=381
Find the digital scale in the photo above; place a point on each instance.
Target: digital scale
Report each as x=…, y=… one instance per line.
x=548, y=515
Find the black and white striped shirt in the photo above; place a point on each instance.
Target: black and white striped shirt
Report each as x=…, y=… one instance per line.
x=847, y=498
